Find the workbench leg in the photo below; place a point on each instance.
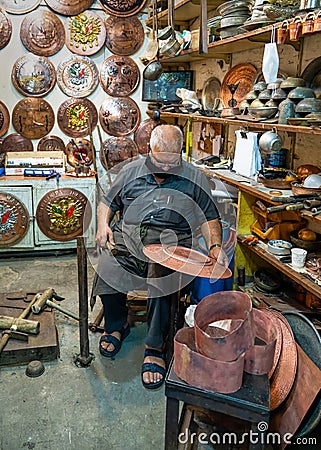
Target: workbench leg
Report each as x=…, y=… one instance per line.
x=171, y=430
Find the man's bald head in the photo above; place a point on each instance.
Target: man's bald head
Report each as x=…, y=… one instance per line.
x=166, y=138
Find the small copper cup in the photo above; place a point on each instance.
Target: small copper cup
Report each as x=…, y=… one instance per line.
x=317, y=22
x=308, y=23
x=282, y=33
x=295, y=28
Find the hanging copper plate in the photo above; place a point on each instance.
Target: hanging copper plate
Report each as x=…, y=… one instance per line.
x=63, y=214
x=143, y=132
x=5, y=29
x=69, y=7
x=119, y=116
x=4, y=119
x=33, y=118
x=117, y=151
x=122, y=7
x=119, y=76
x=42, y=33
x=33, y=76
x=124, y=35
x=19, y=6
x=14, y=142
x=78, y=76
x=14, y=220
x=51, y=143
x=79, y=152
x=85, y=33
x=77, y=117
x=242, y=74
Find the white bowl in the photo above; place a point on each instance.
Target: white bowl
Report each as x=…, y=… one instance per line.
x=312, y=181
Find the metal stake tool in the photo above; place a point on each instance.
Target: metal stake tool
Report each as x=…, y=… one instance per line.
x=84, y=358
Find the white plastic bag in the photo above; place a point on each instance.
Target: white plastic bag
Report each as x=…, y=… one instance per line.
x=270, y=64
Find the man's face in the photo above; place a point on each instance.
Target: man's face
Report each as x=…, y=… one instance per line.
x=165, y=160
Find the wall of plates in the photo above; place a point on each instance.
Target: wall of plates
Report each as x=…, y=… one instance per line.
x=71, y=76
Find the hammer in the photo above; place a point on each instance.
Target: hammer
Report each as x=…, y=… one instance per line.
x=44, y=300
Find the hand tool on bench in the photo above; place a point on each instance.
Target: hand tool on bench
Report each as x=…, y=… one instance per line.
x=44, y=300
x=95, y=325
x=17, y=324
x=23, y=315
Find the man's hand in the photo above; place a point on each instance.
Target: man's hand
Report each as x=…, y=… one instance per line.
x=104, y=236
x=219, y=255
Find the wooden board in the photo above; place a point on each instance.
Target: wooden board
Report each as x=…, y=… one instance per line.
x=43, y=347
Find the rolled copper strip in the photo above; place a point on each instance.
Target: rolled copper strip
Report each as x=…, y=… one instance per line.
x=225, y=345
x=259, y=358
x=202, y=372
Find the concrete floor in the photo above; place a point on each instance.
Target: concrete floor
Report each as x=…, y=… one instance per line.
x=101, y=407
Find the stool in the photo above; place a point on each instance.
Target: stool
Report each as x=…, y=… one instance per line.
x=251, y=404
x=137, y=306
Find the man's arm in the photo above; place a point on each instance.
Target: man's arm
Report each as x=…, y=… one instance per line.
x=104, y=233
x=212, y=232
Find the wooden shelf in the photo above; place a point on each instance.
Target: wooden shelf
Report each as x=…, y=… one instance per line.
x=286, y=269
x=245, y=123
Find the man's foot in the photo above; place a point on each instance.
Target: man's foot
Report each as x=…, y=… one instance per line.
x=153, y=368
x=110, y=344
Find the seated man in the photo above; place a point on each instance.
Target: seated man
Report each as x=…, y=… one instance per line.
x=161, y=199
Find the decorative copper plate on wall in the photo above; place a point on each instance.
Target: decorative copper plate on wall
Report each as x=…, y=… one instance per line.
x=119, y=75
x=85, y=33
x=51, y=143
x=143, y=132
x=124, y=35
x=33, y=76
x=117, y=151
x=119, y=116
x=5, y=29
x=61, y=214
x=77, y=117
x=33, y=118
x=14, y=142
x=122, y=7
x=79, y=152
x=4, y=119
x=242, y=74
x=19, y=6
x=14, y=220
x=42, y=33
x=78, y=76
x=69, y=7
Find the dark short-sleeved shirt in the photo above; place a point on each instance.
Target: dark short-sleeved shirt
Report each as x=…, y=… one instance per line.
x=181, y=202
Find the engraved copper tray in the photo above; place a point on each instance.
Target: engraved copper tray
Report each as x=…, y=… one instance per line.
x=69, y=7
x=119, y=76
x=33, y=118
x=242, y=74
x=85, y=33
x=63, y=214
x=124, y=35
x=42, y=33
x=4, y=119
x=79, y=152
x=51, y=143
x=186, y=260
x=119, y=116
x=15, y=142
x=122, y=8
x=78, y=76
x=77, y=117
x=117, y=151
x=33, y=76
x=19, y=6
x=14, y=220
x=5, y=29
x=143, y=132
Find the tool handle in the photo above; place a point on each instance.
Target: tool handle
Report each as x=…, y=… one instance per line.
x=294, y=207
x=65, y=311
x=273, y=209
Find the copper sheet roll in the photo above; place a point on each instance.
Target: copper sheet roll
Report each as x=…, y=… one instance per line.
x=219, y=344
x=202, y=372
